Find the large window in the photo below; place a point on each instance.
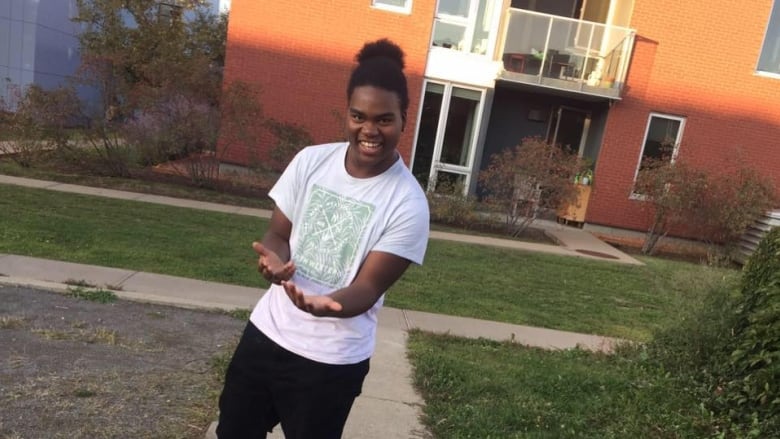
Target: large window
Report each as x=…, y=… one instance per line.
x=464, y=25
x=404, y=6
x=769, y=60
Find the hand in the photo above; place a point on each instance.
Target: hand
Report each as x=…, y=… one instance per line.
x=319, y=306
x=270, y=266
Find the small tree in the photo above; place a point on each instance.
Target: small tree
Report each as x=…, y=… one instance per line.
x=671, y=194
x=526, y=178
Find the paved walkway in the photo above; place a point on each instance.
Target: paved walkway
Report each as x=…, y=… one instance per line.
x=389, y=403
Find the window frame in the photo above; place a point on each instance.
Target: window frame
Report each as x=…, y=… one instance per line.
x=637, y=196
x=377, y=4
x=774, y=10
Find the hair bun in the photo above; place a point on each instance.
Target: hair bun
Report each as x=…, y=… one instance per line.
x=383, y=48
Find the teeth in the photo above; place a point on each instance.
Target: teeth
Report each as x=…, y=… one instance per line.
x=370, y=144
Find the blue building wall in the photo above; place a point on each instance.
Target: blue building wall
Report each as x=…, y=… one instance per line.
x=38, y=44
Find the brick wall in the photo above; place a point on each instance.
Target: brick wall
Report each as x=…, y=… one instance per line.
x=301, y=56
x=696, y=61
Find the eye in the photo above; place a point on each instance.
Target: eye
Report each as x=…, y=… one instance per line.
x=356, y=117
x=386, y=121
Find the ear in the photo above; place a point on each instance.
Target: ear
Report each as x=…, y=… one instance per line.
x=403, y=121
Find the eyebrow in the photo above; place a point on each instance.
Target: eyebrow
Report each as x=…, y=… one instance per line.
x=358, y=112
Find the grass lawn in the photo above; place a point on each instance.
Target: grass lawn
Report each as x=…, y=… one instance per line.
x=169, y=189
x=467, y=280
x=485, y=389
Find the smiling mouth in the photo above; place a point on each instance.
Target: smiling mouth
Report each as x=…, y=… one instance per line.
x=370, y=145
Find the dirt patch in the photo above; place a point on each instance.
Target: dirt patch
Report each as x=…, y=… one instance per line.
x=77, y=369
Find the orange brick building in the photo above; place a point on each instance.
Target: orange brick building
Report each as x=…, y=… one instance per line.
x=611, y=79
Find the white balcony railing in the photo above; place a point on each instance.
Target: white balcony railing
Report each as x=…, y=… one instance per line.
x=565, y=53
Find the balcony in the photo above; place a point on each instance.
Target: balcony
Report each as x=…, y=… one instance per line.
x=579, y=56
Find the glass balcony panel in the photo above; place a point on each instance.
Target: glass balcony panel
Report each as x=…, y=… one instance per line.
x=565, y=53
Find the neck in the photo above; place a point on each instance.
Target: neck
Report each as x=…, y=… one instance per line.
x=358, y=170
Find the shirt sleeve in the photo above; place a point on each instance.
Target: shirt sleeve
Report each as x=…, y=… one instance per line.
x=287, y=188
x=407, y=231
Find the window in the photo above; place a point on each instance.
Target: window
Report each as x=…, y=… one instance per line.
x=662, y=139
x=769, y=60
x=404, y=6
x=464, y=25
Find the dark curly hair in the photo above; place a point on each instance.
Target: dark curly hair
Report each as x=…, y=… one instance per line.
x=381, y=64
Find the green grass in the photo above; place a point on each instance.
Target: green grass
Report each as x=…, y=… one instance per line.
x=560, y=292
x=8, y=167
x=552, y=291
x=484, y=389
x=99, y=295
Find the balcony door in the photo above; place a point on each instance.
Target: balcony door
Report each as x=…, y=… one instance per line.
x=569, y=128
x=447, y=135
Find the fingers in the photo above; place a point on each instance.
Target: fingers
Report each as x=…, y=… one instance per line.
x=269, y=265
x=316, y=305
x=295, y=295
x=334, y=306
x=258, y=248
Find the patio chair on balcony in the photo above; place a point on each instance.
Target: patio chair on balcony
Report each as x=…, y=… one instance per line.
x=558, y=65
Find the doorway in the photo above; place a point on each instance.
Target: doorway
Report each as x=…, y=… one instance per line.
x=447, y=133
x=569, y=128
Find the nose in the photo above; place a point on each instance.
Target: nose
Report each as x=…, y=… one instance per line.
x=369, y=128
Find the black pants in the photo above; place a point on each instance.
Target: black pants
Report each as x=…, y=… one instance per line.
x=266, y=384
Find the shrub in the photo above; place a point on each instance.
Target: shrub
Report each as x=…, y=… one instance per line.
x=731, y=201
x=290, y=139
x=751, y=395
x=40, y=121
x=448, y=205
x=671, y=194
x=520, y=181
x=176, y=126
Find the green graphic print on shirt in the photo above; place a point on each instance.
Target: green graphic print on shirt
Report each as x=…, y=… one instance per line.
x=330, y=236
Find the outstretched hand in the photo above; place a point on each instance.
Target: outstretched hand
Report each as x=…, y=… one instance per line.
x=271, y=266
x=319, y=306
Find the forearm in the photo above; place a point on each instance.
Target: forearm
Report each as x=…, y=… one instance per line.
x=355, y=300
x=278, y=244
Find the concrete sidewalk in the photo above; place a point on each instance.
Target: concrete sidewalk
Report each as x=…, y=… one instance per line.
x=389, y=403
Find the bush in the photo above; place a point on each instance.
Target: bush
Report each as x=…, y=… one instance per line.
x=449, y=206
x=671, y=193
x=290, y=139
x=731, y=201
x=174, y=127
x=531, y=176
x=727, y=349
x=40, y=121
x=751, y=393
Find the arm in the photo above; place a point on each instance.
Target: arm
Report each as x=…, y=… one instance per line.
x=274, y=252
x=377, y=274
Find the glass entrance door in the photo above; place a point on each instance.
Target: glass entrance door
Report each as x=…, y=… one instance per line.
x=447, y=136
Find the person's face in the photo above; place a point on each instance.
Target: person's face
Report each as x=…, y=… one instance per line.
x=374, y=126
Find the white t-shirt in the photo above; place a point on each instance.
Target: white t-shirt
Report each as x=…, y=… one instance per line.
x=336, y=221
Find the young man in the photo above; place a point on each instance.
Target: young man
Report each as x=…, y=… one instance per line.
x=349, y=219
